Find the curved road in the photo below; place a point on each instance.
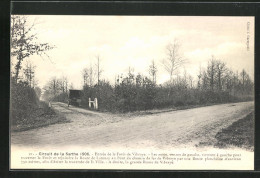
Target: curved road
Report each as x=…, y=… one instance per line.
x=183, y=128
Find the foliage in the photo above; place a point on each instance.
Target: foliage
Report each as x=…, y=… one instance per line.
x=135, y=93
x=56, y=89
x=216, y=84
x=23, y=101
x=104, y=92
x=24, y=41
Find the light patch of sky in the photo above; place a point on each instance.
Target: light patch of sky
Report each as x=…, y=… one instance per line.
x=134, y=41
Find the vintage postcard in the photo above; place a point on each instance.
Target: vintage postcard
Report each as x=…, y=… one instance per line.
x=132, y=92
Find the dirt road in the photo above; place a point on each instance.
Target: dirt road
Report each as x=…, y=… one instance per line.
x=183, y=128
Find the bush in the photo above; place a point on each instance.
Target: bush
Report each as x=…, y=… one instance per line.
x=63, y=97
x=132, y=96
x=23, y=100
x=139, y=93
x=124, y=97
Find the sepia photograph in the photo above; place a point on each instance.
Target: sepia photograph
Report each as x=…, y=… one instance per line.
x=132, y=92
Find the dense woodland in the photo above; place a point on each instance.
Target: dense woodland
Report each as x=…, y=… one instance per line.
x=216, y=83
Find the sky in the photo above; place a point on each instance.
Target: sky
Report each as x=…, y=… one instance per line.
x=134, y=41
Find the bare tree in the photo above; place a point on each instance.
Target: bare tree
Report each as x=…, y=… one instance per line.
x=99, y=70
x=24, y=43
x=153, y=71
x=235, y=82
x=130, y=78
x=85, y=74
x=54, y=86
x=220, y=70
x=228, y=78
x=92, y=75
x=51, y=89
x=65, y=84
x=174, y=60
x=56, y=89
x=205, y=83
x=199, y=78
x=244, y=79
x=191, y=81
x=211, y=72
x=89, y=76
x=184, y=80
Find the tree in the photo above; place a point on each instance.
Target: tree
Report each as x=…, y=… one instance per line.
x=199, y=78
x=174, y=60
x=64, y=84
x=211, y=72
x=190, y=81
x=130, y=79
x=85, y=74
x=244, y=77
x=220, y=70
x=205, y=83
x=153, y=71
x=99, y=71
x=247, y=84
x=54, y=86
x=229, y=82
x=29, y=72
x=184, y=80
x=24, y=42
x=89, y=76
x=56, y=89
x=139, y=80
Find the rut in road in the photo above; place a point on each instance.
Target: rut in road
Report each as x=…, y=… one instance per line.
x=182, y=128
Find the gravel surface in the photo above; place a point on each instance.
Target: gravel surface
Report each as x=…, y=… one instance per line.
x=189, y=128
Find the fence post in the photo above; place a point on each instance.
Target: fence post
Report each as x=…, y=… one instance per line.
x=89, y=102
x=96, y=104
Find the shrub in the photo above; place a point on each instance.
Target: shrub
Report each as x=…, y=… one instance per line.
x=139, y=93
x=63, y=97
x=23, y=100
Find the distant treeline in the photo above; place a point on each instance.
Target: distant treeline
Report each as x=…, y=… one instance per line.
x=215, y=84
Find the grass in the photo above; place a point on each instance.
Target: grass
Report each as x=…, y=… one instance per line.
x=239, y=134
x=39, y=117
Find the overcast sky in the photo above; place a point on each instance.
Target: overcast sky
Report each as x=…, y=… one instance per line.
x=123, y=41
